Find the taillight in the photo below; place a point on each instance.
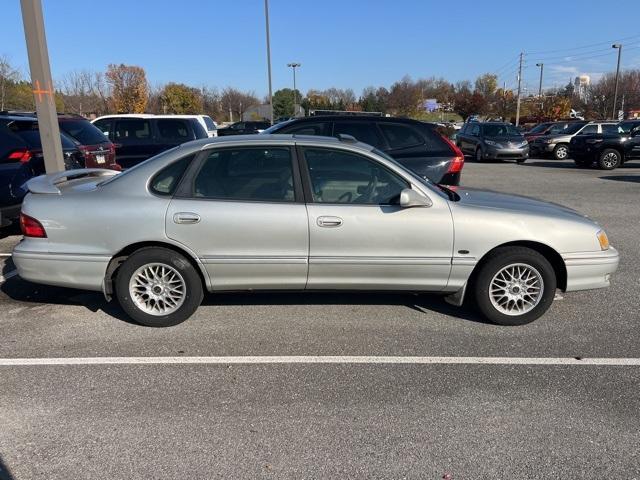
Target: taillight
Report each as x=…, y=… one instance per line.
x=458, y=161
x=31, y=227
x=21, y=156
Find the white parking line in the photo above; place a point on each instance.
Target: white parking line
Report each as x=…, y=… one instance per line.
x=7, y=276
x=248, y=360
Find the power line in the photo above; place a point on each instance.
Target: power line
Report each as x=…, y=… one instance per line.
x=584, y=46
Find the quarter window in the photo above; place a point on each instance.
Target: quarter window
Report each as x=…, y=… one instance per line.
x=166, y=181
x=342, y=177
x=259, y=174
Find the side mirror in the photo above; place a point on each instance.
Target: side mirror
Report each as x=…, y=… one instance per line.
x=410, y=198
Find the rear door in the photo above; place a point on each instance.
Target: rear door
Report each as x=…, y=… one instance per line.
x=241, y=210
x=133, y=140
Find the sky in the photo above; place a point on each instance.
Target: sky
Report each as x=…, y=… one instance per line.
x=340, y=43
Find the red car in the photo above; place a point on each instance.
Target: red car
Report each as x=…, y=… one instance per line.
x=98, y=150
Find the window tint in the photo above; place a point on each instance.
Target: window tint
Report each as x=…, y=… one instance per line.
x=246, y=174
x=171, y=129
x=475, y=130
x=400, y=136
x=83, y=131
x=589, y=129
x=132, y=131
x=308, y=128
x=104, y=126
x=609, y=128
x=341, y=177
x=166, y=181
x=365, y=132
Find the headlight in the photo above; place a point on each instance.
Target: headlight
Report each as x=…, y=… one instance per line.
x=492, y=143
x=604, y=241
x=523, y=144
x=594, y=140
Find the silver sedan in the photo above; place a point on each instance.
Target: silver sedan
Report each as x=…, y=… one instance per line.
x=299, y=213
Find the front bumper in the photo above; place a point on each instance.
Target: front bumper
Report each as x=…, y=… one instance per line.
x=76, y=271
x=588, y=270
x=501, y=153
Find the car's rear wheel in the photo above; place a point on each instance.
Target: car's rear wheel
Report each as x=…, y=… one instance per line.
x=514, y=286
x=561, y=152
x=609, y=159
x=158, y=287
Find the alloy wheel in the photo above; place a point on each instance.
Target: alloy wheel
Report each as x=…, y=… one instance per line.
x=516, y=289
x=157, y=289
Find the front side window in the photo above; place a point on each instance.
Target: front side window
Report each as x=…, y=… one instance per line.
x=589, y=129
x=365, y=132
x=173, y=130
x=132, y=131
x=258, y=174
x=475, y=130
x=342, y=177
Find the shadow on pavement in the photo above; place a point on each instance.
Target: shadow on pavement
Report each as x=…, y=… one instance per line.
x=5, y=473
x=623, y=178
x=23, y=291
x=10, y=230
x=550, y=163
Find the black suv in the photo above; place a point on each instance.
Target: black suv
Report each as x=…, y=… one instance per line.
x=138, y=137
x=416, y=145
x=243, y=128
x=610, y=149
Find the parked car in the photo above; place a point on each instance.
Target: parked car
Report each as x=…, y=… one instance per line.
x=492, y=141
x=416, y=145
x=556, y=143
x=139, y=137
x=616, y=145
x=21, y=159
x=286, y=212
x=244, y=128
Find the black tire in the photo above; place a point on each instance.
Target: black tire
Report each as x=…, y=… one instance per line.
x=497, y=260
x=561, y=151
x=479, y=157
x=193, y=291
x=609, y=159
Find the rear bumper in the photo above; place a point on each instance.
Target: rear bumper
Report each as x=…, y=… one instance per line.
x=588, y=270
x=76, y=271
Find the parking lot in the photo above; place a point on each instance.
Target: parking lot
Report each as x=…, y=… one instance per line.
x=300, y=419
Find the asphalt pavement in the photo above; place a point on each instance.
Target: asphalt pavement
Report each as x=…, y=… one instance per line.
x=319, y=420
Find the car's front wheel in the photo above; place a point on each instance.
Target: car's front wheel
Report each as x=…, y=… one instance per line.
x=158, y=287
x=609, y=159
x=479, y=155
x=514, y=286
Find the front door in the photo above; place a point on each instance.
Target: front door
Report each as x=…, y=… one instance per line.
x=360, y=238
x=240, y=211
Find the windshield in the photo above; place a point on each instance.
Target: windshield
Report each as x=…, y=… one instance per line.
x=626, y=127
x=83, y=131
x=500, y=130
x=539, y=128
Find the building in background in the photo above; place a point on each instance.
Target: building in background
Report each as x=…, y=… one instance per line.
x=581, y=84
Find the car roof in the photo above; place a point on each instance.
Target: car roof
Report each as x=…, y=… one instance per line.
x=18, y=117
x=371, y=118
x=280, y=138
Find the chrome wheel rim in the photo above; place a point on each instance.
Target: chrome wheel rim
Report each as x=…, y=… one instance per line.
x=157, y=289
x=561, y=152
x=516, y=289
x=610, y=160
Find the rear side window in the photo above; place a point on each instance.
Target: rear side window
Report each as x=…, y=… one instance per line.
x=308, y=128
x=400, y=136
x=209, y=123
x=166, y=181
x=365, y=132
x=258, y=174
x=174, y=130
x=83, y=131
x=608, y=128
x=131, y=131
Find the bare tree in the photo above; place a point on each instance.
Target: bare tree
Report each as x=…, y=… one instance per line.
x=8, y=75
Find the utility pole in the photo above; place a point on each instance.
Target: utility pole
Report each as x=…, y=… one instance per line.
x=519, y=89
x=614, y=113
x=266, y=16
x=42, y=83
x=293, y=66
x=541, y=65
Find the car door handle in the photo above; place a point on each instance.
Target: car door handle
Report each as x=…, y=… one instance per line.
x=329, y=221
x=186, y=217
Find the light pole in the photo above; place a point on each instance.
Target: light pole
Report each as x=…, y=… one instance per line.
x=266, y=17
x=293, y=66
x=615, y=94
x=541, y=65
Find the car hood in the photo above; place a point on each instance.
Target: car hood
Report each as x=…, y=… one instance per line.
x=515, y=203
